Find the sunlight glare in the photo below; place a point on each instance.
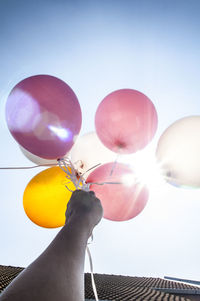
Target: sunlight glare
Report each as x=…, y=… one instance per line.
x=129, y=179
x=146, y=170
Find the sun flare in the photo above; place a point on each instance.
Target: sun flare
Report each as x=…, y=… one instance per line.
x=146, y=170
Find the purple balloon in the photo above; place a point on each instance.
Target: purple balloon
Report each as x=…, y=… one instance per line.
x=44, y=116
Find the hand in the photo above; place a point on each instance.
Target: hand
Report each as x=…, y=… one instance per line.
x=84, y=206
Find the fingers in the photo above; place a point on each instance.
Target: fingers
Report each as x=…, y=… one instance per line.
x=82, y=193
x=83, y=197
x=84, y=203
x=92, y=193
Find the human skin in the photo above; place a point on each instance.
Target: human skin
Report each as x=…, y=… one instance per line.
x=58, y=273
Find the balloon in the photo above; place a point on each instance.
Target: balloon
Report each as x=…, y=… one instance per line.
x=120, y=201
x=44, y=116
x=88, y=151
x=45, y=198
x=38, y=160
x=126, y=121
x=178, y=152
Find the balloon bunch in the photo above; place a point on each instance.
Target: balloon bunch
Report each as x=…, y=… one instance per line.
x=44, y=116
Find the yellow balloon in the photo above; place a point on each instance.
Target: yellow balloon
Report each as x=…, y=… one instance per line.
x=45, y=198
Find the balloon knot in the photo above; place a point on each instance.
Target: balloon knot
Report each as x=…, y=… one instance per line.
x=72, y=174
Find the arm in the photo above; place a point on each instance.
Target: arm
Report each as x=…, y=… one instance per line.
x=58, y=273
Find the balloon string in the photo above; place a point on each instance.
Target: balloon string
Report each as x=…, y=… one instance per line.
x=29, y=167
x=67, y=166
x=102, y=183
x=91, y=168
x=91, y=271
x=114, y=165
x=79, y=184
x=80, y=172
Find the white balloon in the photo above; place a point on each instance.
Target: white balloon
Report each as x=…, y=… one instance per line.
x=88, y=151
x=37, y=160
x=178, y=152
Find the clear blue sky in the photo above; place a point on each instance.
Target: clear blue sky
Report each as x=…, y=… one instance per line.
x=98, y=47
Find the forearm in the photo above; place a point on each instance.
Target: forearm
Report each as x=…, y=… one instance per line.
x=57, y=274
x=60, y=268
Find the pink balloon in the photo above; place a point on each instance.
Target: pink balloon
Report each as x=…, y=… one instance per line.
x=44, y=116
x=120, y=201
x=126, y=121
